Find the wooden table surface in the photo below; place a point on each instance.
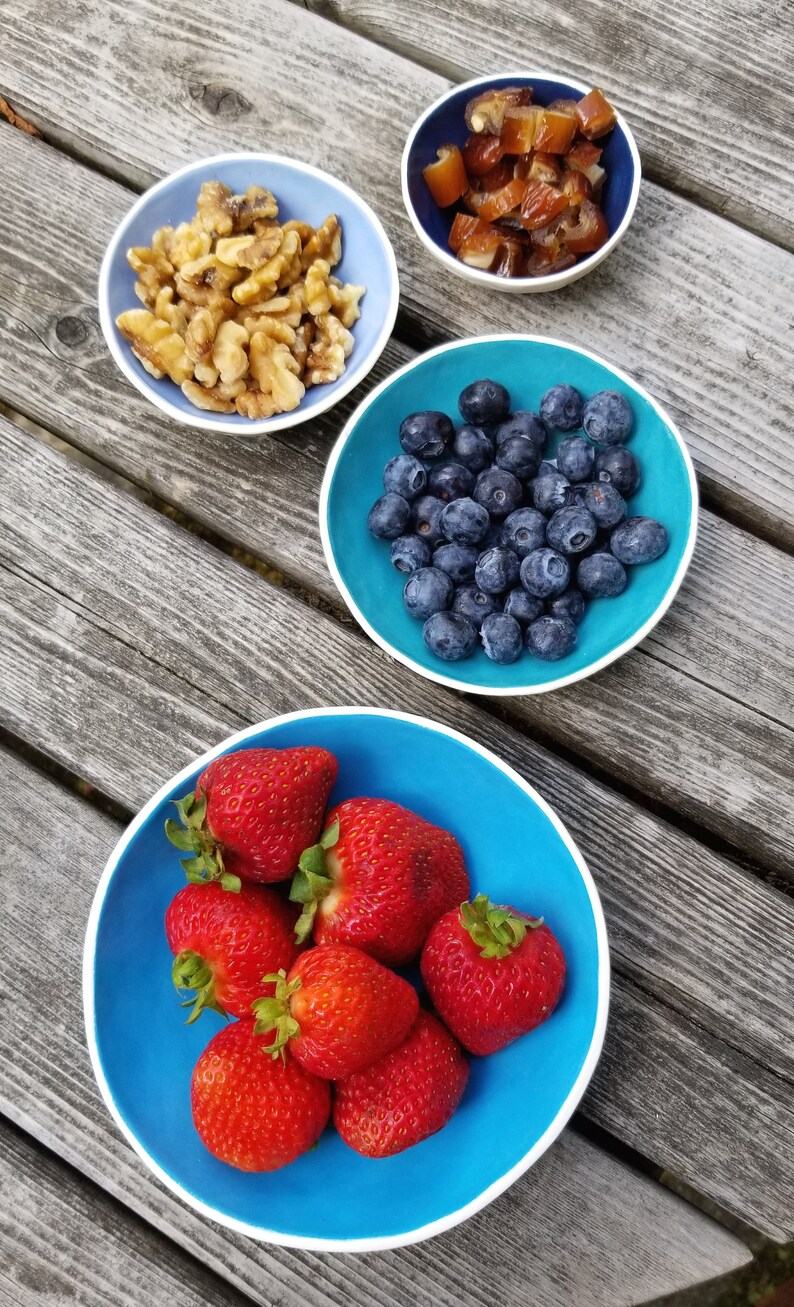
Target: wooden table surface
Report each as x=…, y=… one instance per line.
x=672, y=768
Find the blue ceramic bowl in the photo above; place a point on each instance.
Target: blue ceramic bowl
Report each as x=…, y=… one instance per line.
x=527, y=366
x=444, y=123
x=518, y=1100
x=302, y=192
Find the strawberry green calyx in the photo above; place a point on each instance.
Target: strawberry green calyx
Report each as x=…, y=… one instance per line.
x=311, y=881
x=274, y=1014
x=190, y=971
x=495, y=931
x=194, y=837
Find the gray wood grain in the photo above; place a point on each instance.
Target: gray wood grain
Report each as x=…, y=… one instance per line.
x=702, y=330
x=685, y=77
x=91, y=629
x=704, y=731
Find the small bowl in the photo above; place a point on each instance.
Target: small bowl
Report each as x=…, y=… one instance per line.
x=333, y=1199
x=302, y=192
x=443, y=123
x=527, y=366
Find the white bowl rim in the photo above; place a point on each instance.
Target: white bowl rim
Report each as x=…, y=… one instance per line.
x=337, y=390
x=452, y=681
x=519, y=285
x=439, y=1226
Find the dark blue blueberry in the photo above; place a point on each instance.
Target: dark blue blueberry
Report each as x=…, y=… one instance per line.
x=458, y=561
x=551, y=638
x=523, y=531
x=475, y=604
x=545, y=573
x=619, y=467
x=569, y=604
x=404, y=475
x=426, y=434
x=473, y=448
x=427, y=591
x=389, y=516
x=639, y=540
x=571, y=530
x=426, y=519
x=550, y=492
x=450, y=481
x=522, y=606
x=519, y=456
x=450, y=636
x=600, y=576
x=410, y=552
x=575, y=458
x=561, y=408
x=522, y=423
x=501, y=638
x=463, y=522
x=497, y=571
x=484, y=401
x=607, y=418
x=499, y=492
x=605, y=503
x=577, y=495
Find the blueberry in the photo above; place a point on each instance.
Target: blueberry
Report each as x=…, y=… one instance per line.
x=405, y=475
x=473, y=448
x=523, y=531
x=497, y=571
x=561, y=408
x=426, y=518
x=449, y=636
x=550, y=492
x=619, y=468
x=501, y=638
x=575, y=458
x=389, y=516
x=569, y=604
x=426, y=434
x=410, y=552
x=607, y=418
x=450, y=481
x=600, y=576
x=522, y=606
x=427, y=591
x=546, y=469
x=639, y=540
x=551, y=638
x=605, y=503
x=463, y=522
x=484, y=401
x=571, y=530
x=545, y=573
x=499, y=492
x=519, y=456
x=474, y=604
x=577, y=495
x=458, y=561
x=523, y=423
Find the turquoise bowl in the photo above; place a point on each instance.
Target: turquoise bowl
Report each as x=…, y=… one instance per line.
x=516, y=1102
x=527, y=366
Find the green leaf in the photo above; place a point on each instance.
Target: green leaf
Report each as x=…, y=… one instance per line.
x=179, y=837
x=312, y=860
x=303, y=926
x=232, y=883
x=195, y=870
x=184, y=807
x=199, y=812
x=330, y=837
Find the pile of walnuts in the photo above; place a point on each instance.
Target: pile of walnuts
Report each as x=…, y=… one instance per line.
x=241, y=311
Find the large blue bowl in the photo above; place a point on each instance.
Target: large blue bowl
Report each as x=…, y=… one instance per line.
x=527, y=366
x=516, y=1102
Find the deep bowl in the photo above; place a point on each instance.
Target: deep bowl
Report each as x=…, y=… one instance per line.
x=443, y=123
x=333, y=1198
x=302, y=192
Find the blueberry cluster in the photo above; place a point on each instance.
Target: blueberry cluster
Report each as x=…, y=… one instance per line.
x=500, y=545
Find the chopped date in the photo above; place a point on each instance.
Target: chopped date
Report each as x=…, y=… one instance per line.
x=446, y=177
x=486, y=112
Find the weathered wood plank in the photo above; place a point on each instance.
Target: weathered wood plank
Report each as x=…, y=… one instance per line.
x=686, y=78
x=104, y=676
x=263, y=496
x=703, y=332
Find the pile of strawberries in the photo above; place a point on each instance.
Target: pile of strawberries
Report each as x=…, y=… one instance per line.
x=308, y=972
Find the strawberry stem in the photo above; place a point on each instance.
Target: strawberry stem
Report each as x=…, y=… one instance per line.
x=496, y=931
x=195, y=837
x=273, y=1014
x=311, y=881
x=190, y=971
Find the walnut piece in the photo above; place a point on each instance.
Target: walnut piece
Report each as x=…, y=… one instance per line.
x=228, y=352
x=156, y=344
x=222, y=213
x=326, y=243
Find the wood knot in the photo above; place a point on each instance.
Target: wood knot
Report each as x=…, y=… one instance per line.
x=219, y=101
x=71, y=330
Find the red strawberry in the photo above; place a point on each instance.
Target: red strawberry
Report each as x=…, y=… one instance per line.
x=251, y=1110
x=493, y=973
x=338, y=1010
x=405, y=1097
x=378, y=879
x=225, y=943
x=253, y=813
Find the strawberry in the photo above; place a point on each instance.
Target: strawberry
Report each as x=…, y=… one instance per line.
x=252, y=813
x=338, y=1010
x=405, y=1097
x=492, y=973
x=224, y=944
x=253, y=1111
x=378, y=879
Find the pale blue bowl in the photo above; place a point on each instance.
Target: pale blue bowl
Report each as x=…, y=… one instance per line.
x=302, y=192
x=516, y=1102
x=527, y=366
